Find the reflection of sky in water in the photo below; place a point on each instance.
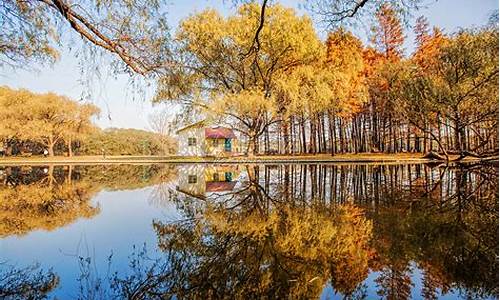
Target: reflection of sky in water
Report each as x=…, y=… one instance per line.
x=125, y=219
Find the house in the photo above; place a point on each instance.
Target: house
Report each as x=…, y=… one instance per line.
x=198, y=139
x=199, y=180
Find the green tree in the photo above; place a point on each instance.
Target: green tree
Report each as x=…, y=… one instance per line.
x=119, y=141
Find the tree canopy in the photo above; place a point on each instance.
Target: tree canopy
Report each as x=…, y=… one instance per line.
x=43, y=118
x=35, y=122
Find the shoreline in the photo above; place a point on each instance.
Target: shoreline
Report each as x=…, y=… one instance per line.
x=362, y=158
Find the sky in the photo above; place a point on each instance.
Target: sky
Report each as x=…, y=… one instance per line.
x=120, y=107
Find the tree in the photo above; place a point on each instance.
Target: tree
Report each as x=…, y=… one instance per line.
x=135, y=31
x=79, y=124
x=460, y=86
x=220, y=62
x=43, y=118
x=387, y=40
x=335, y=13
x=421, y=30
x=332, y=87
x=163, y=123
x=388, y=34
x=121, y=141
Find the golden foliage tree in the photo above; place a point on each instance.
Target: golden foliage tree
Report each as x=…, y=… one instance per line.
x=43, y=118
x=220, y=61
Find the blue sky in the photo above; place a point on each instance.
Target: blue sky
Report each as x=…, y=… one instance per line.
x=122, y=108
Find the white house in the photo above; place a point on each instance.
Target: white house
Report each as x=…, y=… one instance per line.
x=198, y=139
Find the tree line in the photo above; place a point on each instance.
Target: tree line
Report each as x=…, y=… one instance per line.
x=294, y=94
x=265, y=72
x=33, y=123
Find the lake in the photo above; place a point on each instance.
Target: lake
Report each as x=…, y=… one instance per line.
x=296, y=231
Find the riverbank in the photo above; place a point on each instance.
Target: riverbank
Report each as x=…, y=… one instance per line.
x=319, y=158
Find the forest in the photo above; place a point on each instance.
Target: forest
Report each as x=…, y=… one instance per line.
x=297, y=94
x=265, y=71
x=32, y=123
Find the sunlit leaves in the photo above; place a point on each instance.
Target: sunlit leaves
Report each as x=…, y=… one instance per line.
x=44, y=118
x=226, y=74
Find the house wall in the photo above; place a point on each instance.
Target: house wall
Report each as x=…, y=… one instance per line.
x=220, y=148
x=184, y=149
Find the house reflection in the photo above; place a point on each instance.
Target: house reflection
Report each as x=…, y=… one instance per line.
x=200, y=180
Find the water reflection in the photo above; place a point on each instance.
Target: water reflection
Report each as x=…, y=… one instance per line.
x=287, y=231
x=26, y=283
x=51, y=197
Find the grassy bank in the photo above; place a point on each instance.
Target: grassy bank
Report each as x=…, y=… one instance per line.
x=323, y=158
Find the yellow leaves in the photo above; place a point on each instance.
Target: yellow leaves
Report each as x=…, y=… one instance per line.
x=334, y=83
x=217, y=51
x=247, y=104
x=39, y=206
x=40, y=116
x=319, y=242
x=427, y=54
x=252, y=225
x=201, y=31
x=303, y=90
x=388, y=35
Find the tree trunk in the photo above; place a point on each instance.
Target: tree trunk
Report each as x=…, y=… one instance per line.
x=286, y=139
x=50, y=149
x=70, y=150
x=252, y=144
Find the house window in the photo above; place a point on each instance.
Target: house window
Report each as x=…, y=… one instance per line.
x=215, y=142
x=192, y=179
x=191, y=141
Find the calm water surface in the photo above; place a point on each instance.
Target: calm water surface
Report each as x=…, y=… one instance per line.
x=249, y=231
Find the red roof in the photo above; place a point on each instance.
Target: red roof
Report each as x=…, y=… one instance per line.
x=220, y=186
x=219, y=133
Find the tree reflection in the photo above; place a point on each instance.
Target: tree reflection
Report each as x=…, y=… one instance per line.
x=253, y=246
x=287, y=231
x=42, y=199
x=26, y=283
x=263, y=240
x=281, y=252
x=51, y=197
x=451, y=238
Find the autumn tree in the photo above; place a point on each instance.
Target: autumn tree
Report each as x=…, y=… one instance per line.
x=460, y=86
x=345, y=59
x=331, y=87
x=123, y=141
x=388, y=34
x=387, y=40
x=43, y=118
x=79, y=124
x=220, y=62
x=134, y=31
